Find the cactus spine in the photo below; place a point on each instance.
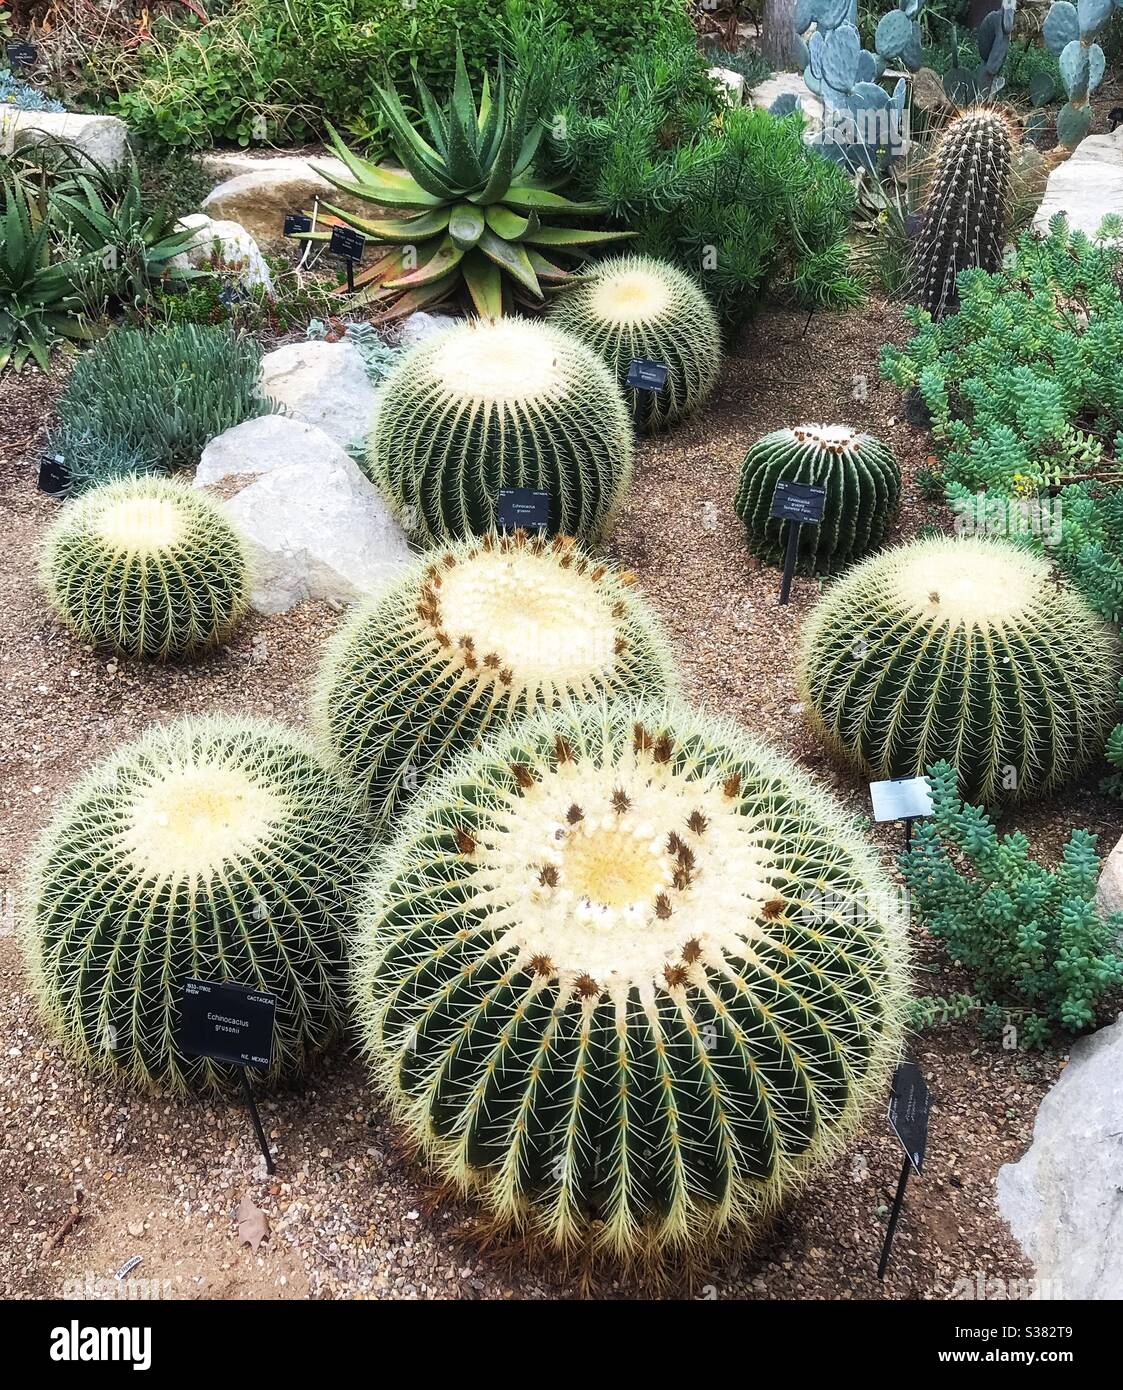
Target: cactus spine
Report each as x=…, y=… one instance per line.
x=635, y=307
x=216, y=848
x=964, y=650
x=627, y=975
x=863, y=484
x=964, y=218
x=501, y=403
x=148, y=566
x=494, y=630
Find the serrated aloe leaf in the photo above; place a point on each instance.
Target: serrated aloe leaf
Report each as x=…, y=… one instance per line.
x=511, y=226
x=445, y=258
x=466, y=225
x=499, y=177
x=420, y=297
x=547, y=271
x=538, y=199
x=565, y=237
x=428, y=224
x=485, y=284
x=434, y=116
x=512, y=258
x=393, y=189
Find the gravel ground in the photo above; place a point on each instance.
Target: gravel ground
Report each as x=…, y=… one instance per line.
x=91, y=1176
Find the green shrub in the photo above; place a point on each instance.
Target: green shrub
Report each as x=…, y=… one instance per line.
x=1041, y=955
x=162, y=395
x=265, y=70
x=217, y=849
x=631, y=977
x=149, y=566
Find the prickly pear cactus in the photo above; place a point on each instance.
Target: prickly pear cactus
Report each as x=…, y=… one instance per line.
x=963, y=225
x=967, y=650
x=863, y=483
x=1071, y=32
x=636, y=307
x=490, y=632
x=211, y=848
x=147, y=565
x=629, y=976
x=497, y=403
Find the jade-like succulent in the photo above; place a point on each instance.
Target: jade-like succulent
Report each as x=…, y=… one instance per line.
x=217, y=849
x=147, y=565
x=633, y=307
x=966, y=650
x=964, y=218
x=863, y=484
x=630, y=977
x=502, y=403
x=492, y=631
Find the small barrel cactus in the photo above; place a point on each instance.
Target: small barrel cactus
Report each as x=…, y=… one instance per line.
x=494, y=630
x=633, y=307
x=147, y=565
x=963, y=222
x=497, y=403
x=966, y=650
x=863, y=484
x=630, y=977
x=217, y=849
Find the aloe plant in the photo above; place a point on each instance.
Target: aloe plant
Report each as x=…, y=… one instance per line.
x=40, y=302
x=471, y=207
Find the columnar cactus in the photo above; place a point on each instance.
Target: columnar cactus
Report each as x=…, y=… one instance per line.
x=964, y=218
x=966, y=650
x=1070, y=32
x=494, y=630
x=637, y=307
x=147, y=565
x=630, y=977
x=501, y=403
x=213, y=848
x=863, y=484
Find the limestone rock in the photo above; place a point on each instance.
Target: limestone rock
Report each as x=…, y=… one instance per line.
x=237, y=249
x=1087, y=186
x=1109, y=894
x=103, y=139
x=1064, y=1198
x=258, y=190
x=324, y=384
x=733, y=83
x=785, y=83
x=317, y=528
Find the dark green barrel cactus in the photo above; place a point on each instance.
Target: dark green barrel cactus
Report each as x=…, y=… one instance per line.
x=212, y=848
x=963, y=224
x=965, y=650
x=863, y=484
x=629, y=977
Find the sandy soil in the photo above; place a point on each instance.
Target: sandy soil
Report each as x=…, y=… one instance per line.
x=90, y=1175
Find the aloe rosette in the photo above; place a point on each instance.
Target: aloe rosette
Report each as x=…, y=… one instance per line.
x=472, y=212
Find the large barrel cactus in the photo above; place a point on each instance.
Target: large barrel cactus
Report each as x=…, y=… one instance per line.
x=963, y=224
x=147, y=565
x=966, y=650
x=630, y=977
x=501, y=403
x=494, y=630
x=211, y=848
x=863, y=484
x=633, y=307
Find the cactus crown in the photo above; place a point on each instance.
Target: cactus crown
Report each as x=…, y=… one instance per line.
x=147, y=565
x=628, y=975
x=491, y=630
x=635, y=307
x=966, y=650
x=500, y=403
x=216, y=848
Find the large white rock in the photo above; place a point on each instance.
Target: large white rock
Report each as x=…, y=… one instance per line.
x=1064, y=1199
x=785, y=83
x=231, y=242
x=317, y=528
x=732, y=82
x=258, y=190
x=103, y=139
x=1087, y=186
x=1109, y=892
x=321, y=383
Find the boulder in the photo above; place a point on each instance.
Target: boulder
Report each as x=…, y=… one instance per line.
x=1064, y=1198
x=784, y=84
x=103, y=139
x=321, y=383
x=732, y=82
x=229, y=241
x=1109, y=893
x=317, y=527
x=258, y=190
x=1087, y=186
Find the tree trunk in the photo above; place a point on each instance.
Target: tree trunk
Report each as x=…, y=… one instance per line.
x=777, y=38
